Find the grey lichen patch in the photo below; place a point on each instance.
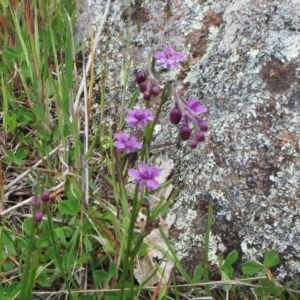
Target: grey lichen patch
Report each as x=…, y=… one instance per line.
x=198, y=38
x=278, y=76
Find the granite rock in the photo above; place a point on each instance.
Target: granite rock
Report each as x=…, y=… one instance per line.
x=244, y=58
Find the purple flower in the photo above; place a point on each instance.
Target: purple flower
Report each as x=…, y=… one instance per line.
x=193, y=106
x=145, y=175
x=126, y=142
x=138, y=117
x=169, y=58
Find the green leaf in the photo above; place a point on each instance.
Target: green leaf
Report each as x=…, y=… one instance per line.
x=198, y=273
x=21, y=242
x=69, y=231
x=21, y=153
x=24, y=139
x=45, y=135
x=13, y=289
x=101, y=276
x=251, y=267
x=113, y=269
x=4, y=3
x=271, y=258
x=11, y=122
x=74, y=194
x=61, y=235
x=144, y=249
x=42, y=280
x=11, y=156
x=11, y=53
x=229, y=272
x=69, y=207
x=88, y=244
x=230, y=259
x=225, y=277
x=29, y=226
x=86, y=257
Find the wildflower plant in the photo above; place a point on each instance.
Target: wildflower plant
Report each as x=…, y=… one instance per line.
x=145, y=176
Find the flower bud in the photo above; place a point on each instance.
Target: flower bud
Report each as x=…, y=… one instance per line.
x=143, y=87
x=147, y=95
x=38, y=216
x=199, y=136
x=35, y=201
x=139, y=77
x=155, y=89
x=145, y=204
x=193, y=143
x=185, y=133
x=203, y=125
x=45, y=197
x=175, y=116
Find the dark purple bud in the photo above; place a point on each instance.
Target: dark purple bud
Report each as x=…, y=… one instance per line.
x=147, y=95
x=45, y=197
x=149, y=226
x=38, y=216
x=35, y=201
x=193, y=143
x=145, y=204
x=199, y=136
x=175, y=116
x=143, y=86
x=139, y=77
x=155, y=89
x=203, y=125
x=185, y=133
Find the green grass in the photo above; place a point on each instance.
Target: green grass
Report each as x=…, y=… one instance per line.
x=88, y=244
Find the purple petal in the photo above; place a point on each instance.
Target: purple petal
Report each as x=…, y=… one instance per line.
x=154, y=172
x=143, y=168
x=121, y=136
x=202, y=109
x=142, y=184
x=135, y=174
x=135, y=144
x=195, y=106
x=119, y=145
x=160, y=55
x=179, y=56
x=152, y=184
x=169, y=50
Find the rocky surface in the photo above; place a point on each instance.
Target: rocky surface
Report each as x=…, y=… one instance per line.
x=244, y=60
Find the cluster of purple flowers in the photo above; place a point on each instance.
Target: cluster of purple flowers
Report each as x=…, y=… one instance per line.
x=36, y=202
x=138, y=119
x=144, y=175
x=185, y=112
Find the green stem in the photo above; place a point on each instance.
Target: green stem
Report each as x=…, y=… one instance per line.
x=206, y=245
x=149, y=130
x=49, y=217
x=25, y=286
x=128, y=264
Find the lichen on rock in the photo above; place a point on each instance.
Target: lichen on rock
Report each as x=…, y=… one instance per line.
x=243, y=58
